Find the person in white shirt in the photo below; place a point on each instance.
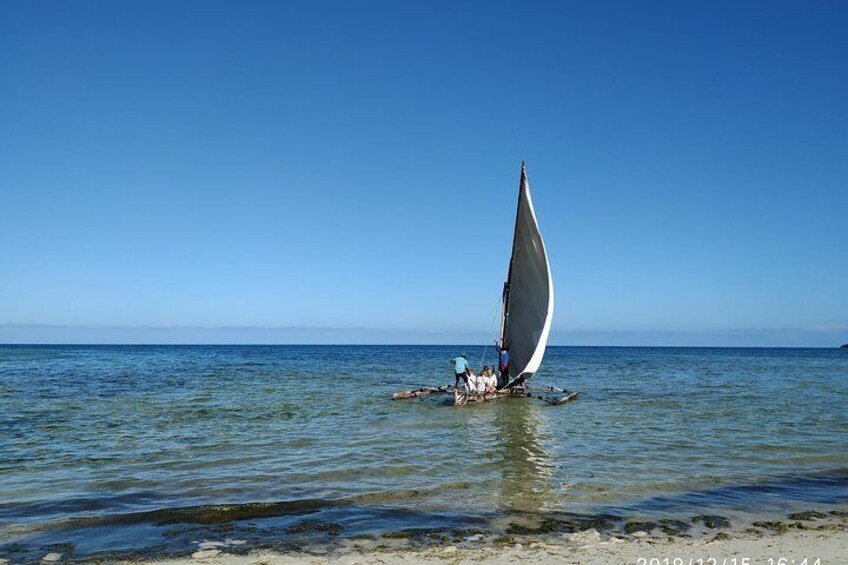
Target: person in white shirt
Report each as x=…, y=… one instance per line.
x=490, y=382
x=477, y=383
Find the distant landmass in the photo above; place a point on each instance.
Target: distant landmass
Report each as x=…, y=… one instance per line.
x=845, y=346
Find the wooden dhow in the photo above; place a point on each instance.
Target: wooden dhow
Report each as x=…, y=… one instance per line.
x=527, y=308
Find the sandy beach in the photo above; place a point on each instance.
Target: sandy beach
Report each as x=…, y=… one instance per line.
x=793, y=547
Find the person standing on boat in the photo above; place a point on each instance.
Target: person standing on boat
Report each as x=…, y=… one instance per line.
x=460, y=369
x=503, y=364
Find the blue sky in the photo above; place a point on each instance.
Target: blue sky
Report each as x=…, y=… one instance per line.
x=354, y=165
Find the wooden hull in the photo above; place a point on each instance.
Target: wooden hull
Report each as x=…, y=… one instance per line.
x=461, y=398
x=554, y=396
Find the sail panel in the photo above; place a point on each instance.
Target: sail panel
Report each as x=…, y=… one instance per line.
x=531, y=293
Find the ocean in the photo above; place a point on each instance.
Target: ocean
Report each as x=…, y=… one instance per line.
x=144, y=450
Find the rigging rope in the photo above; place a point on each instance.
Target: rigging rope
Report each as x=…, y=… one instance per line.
x=493, y=317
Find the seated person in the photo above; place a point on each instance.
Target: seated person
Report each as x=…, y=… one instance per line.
x=478, y=383
x=489, y=380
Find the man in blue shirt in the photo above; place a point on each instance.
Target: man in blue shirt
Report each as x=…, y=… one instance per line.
x=503, y=364
x=460, y=369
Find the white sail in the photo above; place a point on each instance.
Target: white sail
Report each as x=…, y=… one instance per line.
x=528, y=293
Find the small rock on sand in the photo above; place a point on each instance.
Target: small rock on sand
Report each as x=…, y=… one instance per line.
x=589, y=536
x=518, y=546
x=206, y=553
x=52, y=557
x=639, y=534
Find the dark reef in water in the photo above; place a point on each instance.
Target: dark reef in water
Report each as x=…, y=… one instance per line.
x=712, y=522
x=320, y=537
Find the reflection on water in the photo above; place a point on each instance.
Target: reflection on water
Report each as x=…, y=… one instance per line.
x=526, y=468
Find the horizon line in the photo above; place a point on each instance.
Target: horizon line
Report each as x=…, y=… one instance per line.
x=816, y=328
x=457, y=345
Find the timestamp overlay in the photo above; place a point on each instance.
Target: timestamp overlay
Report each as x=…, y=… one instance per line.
x=729, y=561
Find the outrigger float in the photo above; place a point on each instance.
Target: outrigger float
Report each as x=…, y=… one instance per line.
x=526, y=313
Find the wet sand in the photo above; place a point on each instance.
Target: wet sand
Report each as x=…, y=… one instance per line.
x=738, y=548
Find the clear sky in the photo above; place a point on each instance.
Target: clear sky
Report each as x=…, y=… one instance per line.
x=338, y=165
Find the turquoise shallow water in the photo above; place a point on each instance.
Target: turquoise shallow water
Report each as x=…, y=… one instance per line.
x=105, y=447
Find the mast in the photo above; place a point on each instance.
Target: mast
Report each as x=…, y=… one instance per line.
x=507, y=284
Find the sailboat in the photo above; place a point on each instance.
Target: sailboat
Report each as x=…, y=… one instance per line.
x=526, y=313
x=528, y=293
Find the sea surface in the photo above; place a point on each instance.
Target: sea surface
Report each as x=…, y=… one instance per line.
x=149, y=448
